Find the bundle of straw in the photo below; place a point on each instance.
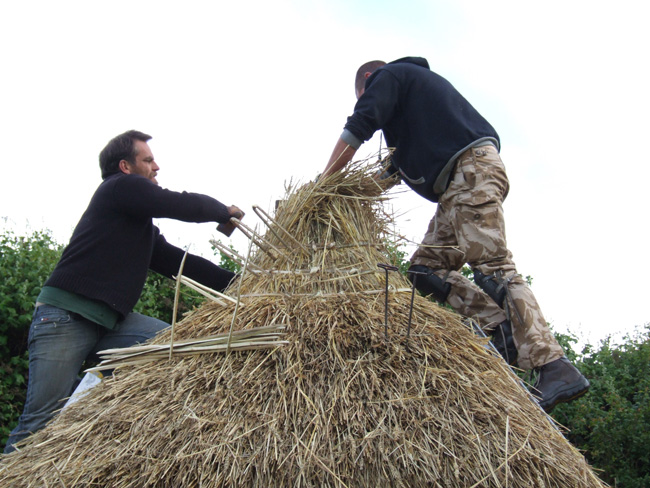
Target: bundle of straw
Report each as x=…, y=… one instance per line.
x=240, y=340
x=341, y=404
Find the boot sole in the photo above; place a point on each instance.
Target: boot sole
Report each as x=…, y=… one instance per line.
x=569, y=394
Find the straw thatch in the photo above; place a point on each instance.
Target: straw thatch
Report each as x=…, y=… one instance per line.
x=340, y=404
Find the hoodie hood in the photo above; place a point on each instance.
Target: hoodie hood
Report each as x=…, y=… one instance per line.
x=413, y=60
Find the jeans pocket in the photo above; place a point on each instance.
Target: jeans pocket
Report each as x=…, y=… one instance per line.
x=46, y=319
x=49, y=314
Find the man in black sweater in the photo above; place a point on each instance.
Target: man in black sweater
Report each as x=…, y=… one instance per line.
x=449, y=154
x=86, y=304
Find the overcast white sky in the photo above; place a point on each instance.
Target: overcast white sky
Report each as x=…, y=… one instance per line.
x=243, y=96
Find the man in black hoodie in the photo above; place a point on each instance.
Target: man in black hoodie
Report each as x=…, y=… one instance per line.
x=86, y=304
x=449, y=154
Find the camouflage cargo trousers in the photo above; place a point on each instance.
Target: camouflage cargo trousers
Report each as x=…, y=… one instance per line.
x=468, y=227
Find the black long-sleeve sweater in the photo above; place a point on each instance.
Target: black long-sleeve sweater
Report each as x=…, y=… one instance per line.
x=115, y=242
x=426, y=120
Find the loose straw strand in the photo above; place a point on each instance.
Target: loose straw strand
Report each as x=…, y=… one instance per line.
x=241, y=279
x=176, y=296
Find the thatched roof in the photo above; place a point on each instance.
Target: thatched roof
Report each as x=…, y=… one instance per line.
x=340, y=404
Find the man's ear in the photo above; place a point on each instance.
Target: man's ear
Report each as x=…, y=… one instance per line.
x=125, y=167
x=367, y=74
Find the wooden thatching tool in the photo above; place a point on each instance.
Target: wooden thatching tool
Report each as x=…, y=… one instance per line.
x=387, y=268
x=229, y=227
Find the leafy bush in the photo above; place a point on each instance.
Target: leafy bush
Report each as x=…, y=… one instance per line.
x=611, y=424
x=25, y=263
x=397, y=257
x=227, y=262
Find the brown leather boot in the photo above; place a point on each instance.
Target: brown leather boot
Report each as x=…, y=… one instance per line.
x=559, y=381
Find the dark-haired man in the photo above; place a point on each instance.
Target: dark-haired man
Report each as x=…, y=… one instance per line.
x=86, y=304
x=449, y=154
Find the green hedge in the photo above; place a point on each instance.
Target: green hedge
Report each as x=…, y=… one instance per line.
x=25, y=263
x=611, y=424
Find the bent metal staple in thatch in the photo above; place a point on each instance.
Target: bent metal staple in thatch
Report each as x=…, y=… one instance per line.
x=337, y=403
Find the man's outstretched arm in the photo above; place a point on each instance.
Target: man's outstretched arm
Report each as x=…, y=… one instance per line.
x=341, y=155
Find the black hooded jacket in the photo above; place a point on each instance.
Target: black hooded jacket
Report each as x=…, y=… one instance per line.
x=426, y=120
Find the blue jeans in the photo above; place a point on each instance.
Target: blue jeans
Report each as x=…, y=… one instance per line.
x=59, y=343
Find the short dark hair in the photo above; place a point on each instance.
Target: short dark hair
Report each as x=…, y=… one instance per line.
x=369, y=67
x=119, y=148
